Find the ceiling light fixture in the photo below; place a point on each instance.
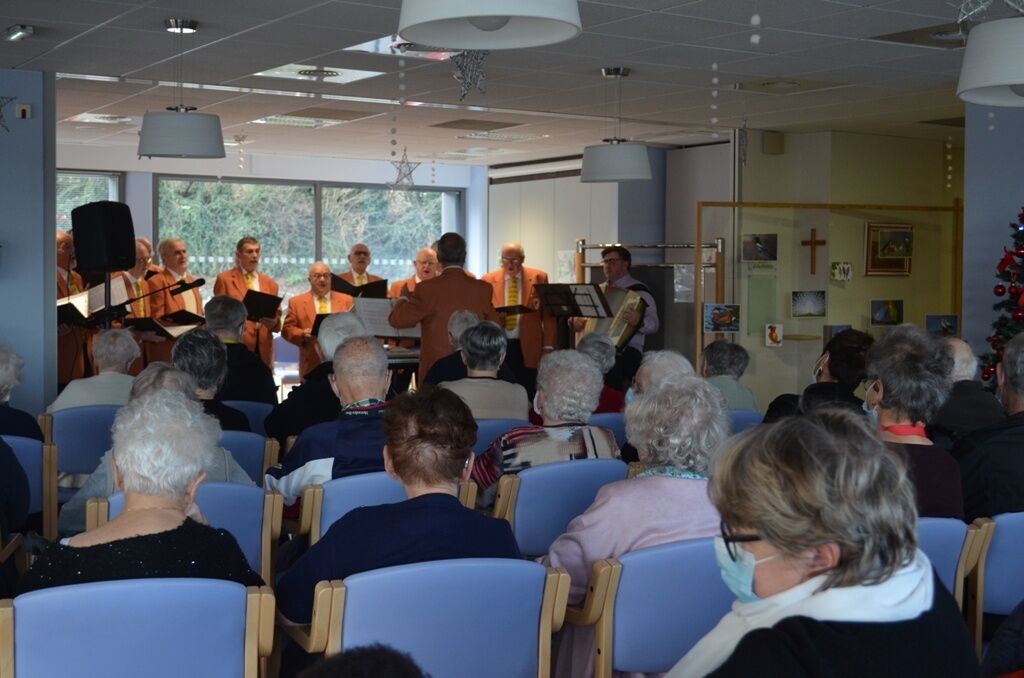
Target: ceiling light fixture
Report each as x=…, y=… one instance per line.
x=504, y=24
x=180, y=132
x=19, y=32
x=992, y=73
x=617, y=159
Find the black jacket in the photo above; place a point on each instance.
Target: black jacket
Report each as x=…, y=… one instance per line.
x=968, y=408
x=311, y=402
x=992, y=468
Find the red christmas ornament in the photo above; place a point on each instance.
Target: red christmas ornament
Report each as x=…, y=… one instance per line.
x=985, y=376
x=1019, y=251
x=1014, y=290
x=999, y=290
x=1018, y=314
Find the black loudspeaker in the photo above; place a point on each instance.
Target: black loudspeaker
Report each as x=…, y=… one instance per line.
x=104, y=236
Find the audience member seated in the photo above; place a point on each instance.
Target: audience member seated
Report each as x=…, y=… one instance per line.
x=970, y=405
x=203, y=357
x=248, y=377
x=156, y=378
x=429, y=435
x=601, y=350
x=837, y=373
x=676, y=429
x=162, y=444
x=992, y=458
x=819, y=545
x=483, y=351
x=722, y=364
x=354, y=442
x=113, y=352
x=656, y=368
x=908, y=380
x=452, y=367
x=368, y=661
x=14, y=501
x=14, y=422
x=1004, y=656
x=313, y=401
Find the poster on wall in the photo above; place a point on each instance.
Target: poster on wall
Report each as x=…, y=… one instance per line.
x=886, y=312
x=808, y=304
x=773, y=335
x=760, y=247
x=888, y=249
x=942, y=325
x=721, y=318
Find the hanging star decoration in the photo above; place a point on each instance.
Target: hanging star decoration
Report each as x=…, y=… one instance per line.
x=3, y=102
x=405, y=169
x=470, y=73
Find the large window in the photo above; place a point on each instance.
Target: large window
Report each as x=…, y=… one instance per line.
x=79, y=188
x=210, y=216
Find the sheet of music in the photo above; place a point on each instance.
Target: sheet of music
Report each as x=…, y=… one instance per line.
x=374, y=314
x=589, y=301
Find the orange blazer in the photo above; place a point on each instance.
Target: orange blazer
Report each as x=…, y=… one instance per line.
x=347, y=275
x=71, y=341
x=301, y=316
x=139, y=309
x=163, y=303
x=433, y=302
x=232, y=283
x=395, y=290
x=536, y=330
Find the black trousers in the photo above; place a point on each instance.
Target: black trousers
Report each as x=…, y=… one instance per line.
x=627, y=362
x=524, y=375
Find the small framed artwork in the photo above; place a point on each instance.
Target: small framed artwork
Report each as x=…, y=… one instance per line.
x=721, y=317
x=842, y=271
x=886, y=312
x=888, y=249
x=808, y=304
x=760, y=247
x=942, y=325
x=773, y=335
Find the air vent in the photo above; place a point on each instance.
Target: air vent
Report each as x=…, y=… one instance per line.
x=315, y=118
x=476, y=125
x=784, y=86
x=106, y=119
x=945, y=36
x=504, y=137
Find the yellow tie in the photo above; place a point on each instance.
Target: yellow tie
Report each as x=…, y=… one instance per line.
x=140, y=307
x=511, y=299
x=360, y=280
x=249, y=278
x=322, y=308
x=71, y=284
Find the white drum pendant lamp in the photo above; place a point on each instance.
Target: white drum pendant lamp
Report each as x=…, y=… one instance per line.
x=992, y=73
x=617, y=159
x=489, y=24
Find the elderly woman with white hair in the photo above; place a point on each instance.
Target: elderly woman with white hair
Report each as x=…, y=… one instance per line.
x=162, y=445
x=113, y=352
x=677, y=430
x=655, y=368
x=14, y=422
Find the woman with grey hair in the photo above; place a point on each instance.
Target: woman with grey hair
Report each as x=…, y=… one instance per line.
x=908, y=379
x=722, y=364
x=113, y=353
x=483, y=350
x=156, y=378
x=677, y=431
x=201, y=355
x=14, y=422
x=818, y=543
x=601, y=350
x=163, y=443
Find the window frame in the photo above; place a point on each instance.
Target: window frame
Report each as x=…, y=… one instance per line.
x=118, y=177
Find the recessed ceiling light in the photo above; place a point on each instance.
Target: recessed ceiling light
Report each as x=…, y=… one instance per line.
x=318, y=73
x=19, y=32
x=184, y=26
x=105, y=119
x=312, y=73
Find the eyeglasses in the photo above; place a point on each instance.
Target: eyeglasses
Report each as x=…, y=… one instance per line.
x=360, y=254
x=731, y=540
x=319, y=275
x=512, y=260
x=610, y=261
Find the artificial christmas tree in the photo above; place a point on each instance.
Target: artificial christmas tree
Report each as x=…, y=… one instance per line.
x=1010, y=322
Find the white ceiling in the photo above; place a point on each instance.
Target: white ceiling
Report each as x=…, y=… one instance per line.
x=671, y=46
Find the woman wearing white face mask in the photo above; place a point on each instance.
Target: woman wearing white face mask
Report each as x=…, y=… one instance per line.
x=818, y=544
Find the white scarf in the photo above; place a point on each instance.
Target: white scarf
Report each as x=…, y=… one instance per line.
x=904, y=595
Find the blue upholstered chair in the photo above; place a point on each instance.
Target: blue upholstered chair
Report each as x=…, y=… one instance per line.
x=741, y=420
x=254, y=453
x=540, y=501
x=945, y=542
x=614, y=421
x=82, y=435
x=39, y=461
x=251, y=515
x=652, y=605
x=158, y=628
x=428, y=609
x=489, y=429
x=1004, y=585
x=254, y=411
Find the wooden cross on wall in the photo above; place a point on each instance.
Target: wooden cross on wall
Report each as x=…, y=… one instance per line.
x=813, y=243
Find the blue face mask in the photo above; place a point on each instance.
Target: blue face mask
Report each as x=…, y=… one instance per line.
x=630, y=395
x=871, y=413
x=738, y=574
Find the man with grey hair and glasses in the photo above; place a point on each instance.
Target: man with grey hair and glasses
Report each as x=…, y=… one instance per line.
x=488, y=397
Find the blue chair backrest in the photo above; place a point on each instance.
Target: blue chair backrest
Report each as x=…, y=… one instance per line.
x=741, y=420
x=489, y=429
x=551, y=495
x=285, y=351
x=29, y=453
x=942, y=540
x=248, y=450
x=428, y=609
x=341, y=495
x=159, y=628
x=669, y=597
x=228, y=506
x=1004, y=585
x=82, y=435
x=615, y=422
x=255, y=412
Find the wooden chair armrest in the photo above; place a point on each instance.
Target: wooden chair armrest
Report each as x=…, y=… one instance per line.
x=11, y=547
x=6, y=639
x=267, y=616
x=561, y=600
x=597, y=594
x=467, y=494
x=312, y=497
x=289, y=443
x=271, y=451
x=505, y=500
x=312, y=637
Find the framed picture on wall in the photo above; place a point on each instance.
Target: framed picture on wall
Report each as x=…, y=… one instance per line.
x=888, y=249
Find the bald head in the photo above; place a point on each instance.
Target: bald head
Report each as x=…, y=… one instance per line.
x=965, y=363
x=320, y=279
x=425, y=263
x=359, y=258
x=512, y=258
x=65, y=251
x=360, y=370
